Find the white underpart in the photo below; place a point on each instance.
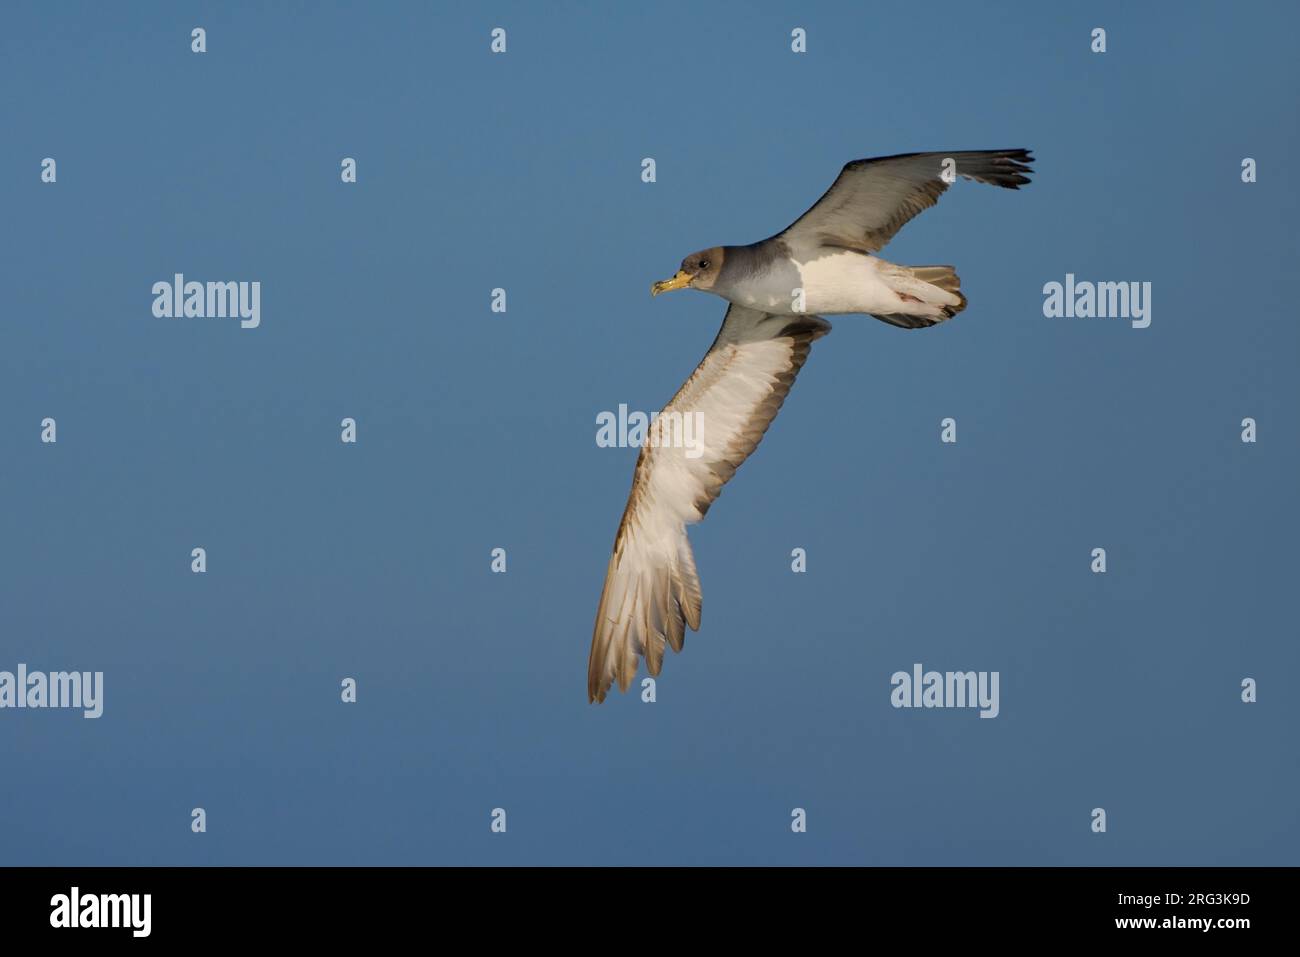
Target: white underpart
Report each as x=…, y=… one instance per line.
x=847, y=282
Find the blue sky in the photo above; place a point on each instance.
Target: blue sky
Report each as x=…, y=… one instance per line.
x=477, y=431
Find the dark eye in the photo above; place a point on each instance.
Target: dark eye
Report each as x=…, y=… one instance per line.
x=704, y=264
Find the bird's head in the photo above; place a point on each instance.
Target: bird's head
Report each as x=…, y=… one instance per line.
x=699, y=271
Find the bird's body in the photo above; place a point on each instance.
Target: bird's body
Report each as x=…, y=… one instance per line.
x=824, y=262
x=832, y=282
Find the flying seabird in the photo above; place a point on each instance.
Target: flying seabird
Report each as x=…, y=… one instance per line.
x=822, y=263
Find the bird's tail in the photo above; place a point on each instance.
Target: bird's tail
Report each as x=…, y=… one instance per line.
x=928, y=295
